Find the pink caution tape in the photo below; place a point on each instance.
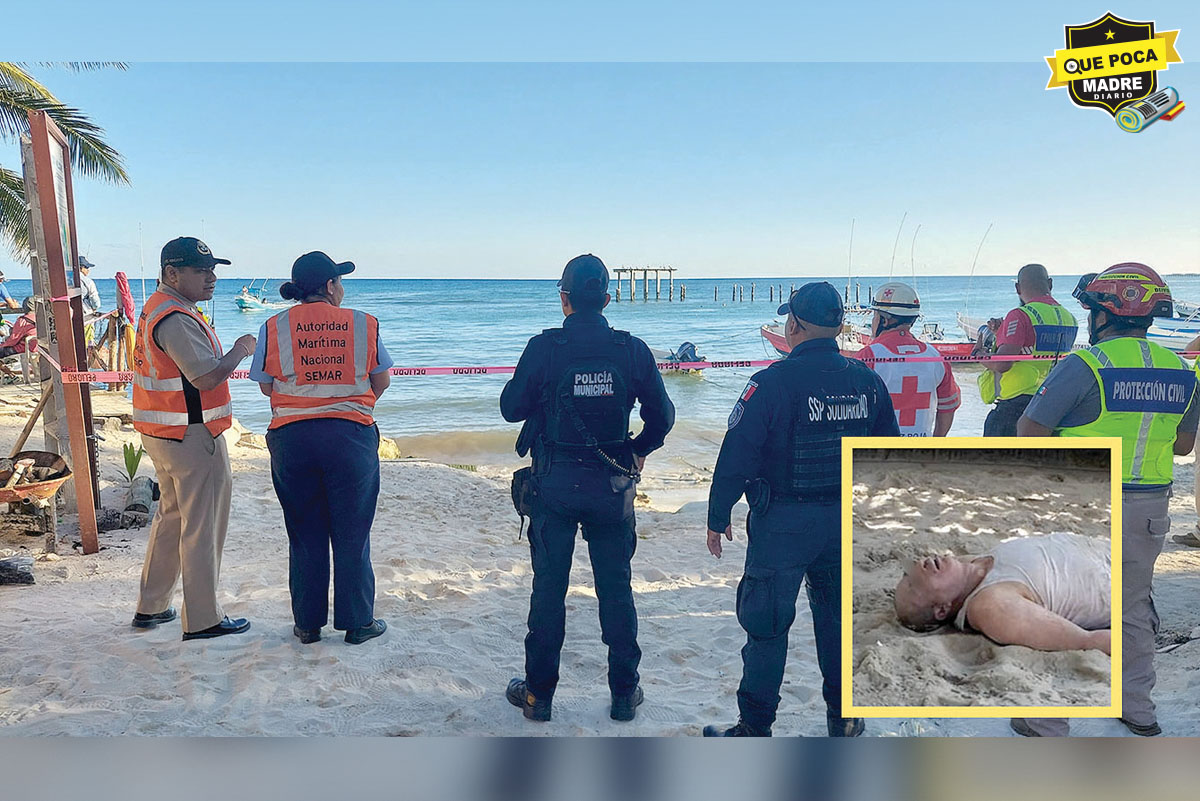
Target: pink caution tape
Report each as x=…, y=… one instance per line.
x=125, y=377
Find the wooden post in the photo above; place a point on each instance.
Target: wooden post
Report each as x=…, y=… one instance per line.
x=657, y=285
x=632, y=291
x=714, y=293
x=671, y=286
x=48, y=175
x=751, y=291
x=771, y=294
x=618, y=272
x=741, y=293
x=645, y=285
x=682, y=292
x=733, y=293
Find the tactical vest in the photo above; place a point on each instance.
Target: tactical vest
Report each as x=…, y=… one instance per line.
x=804, y=461
x=588, y=397
x=1054, y=330
x=1144, y=391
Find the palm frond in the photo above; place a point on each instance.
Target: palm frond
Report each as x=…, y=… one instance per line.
x=87, y=66
x=91, y=156
x=14, y=216
x=14, y=76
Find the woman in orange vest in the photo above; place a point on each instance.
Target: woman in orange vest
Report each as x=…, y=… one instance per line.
x=323, y=368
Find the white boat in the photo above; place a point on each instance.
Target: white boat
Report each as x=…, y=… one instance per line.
x=251, y=299
x=1174, y=332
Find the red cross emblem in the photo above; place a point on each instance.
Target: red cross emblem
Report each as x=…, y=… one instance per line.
x=908, y=402
x=887, y=293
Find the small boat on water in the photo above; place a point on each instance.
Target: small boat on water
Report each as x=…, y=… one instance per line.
x=684, y=354
x=251, y=299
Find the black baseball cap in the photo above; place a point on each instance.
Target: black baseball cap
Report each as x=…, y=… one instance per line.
x=312, y=270
x=188, y=251
x=584, y=273
x=817, y=303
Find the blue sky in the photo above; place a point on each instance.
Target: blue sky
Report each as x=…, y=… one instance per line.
x=720, y=169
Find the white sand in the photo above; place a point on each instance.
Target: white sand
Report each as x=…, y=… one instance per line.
x=453, y=584
x=906, y=510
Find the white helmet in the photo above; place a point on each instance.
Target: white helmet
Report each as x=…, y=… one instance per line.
x=897, y=299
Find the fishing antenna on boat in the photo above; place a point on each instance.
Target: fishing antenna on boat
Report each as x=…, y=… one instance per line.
x=896, y=244
x=971, y=277
x=850, y=262
x=912, y=259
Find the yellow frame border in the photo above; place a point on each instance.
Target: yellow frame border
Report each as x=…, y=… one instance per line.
x=849, y=709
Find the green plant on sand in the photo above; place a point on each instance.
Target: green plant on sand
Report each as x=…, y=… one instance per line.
x=133, y=458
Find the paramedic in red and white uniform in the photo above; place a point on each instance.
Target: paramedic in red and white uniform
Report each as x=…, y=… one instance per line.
x=924, y=393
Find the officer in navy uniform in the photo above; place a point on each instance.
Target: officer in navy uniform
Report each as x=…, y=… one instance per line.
x=783, y=450
x=575, y=387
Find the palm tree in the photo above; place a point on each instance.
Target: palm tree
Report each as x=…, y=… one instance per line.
x=91, y=156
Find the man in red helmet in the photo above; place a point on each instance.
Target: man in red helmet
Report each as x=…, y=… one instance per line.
x=1124, y=386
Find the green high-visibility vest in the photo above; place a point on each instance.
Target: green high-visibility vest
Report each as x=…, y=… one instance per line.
x=1145, y=390
x=1054, y=330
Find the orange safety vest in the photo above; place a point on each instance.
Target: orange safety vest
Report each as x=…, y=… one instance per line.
x=320, y=357
x=164, y=401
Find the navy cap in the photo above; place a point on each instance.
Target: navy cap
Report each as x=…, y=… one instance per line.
x=584, y=273
x=817, y=303
x=312, y=270
x=83, y=262
x=188, y=251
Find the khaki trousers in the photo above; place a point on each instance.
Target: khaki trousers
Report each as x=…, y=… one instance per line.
x=188, y=532
x=1144, y=525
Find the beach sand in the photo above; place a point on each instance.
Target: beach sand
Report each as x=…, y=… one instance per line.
x=453, y=583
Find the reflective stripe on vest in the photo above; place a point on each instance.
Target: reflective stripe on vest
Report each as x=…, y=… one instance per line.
x=316, y=353
x=160, y=406
x=1054, y=331
x=1145, y=390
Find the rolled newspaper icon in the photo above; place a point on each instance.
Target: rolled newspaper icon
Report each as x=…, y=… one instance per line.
x=1135, y=117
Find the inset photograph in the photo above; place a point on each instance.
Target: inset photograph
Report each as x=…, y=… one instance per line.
x=982, y=577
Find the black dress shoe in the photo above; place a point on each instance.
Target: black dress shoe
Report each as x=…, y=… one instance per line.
x=533, y=708
x=141, y=621
x=624, y=707
x=227, y=626
x=739, y=729
x=306, y=636
x=1152, y=730
x=360, y=635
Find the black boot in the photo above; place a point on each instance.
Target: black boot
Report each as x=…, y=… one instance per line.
x=739, y=729
x=844, y=727
x=624, y=707
x=533, y=708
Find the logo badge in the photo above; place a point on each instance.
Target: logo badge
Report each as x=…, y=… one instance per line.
x=203, y=248
x=1113, y=64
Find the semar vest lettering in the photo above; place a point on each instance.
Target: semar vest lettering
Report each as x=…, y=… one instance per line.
x=320, y=357
x=1054, y=331
x=1145, y=390
x=804, y=460
x=588, y=385
x=164, y=401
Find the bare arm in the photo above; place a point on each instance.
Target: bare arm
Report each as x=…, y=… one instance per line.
x=942, y=423
x=266, y=389
x=1003, y=367
x=380, y=381
x=1003, y=614
x=1028, y=428
x=1184, y=442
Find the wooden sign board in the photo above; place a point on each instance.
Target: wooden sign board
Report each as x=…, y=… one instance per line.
x=46, y=159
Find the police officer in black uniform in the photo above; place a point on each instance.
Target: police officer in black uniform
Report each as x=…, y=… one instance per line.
x=783, y=450
x=574, y=387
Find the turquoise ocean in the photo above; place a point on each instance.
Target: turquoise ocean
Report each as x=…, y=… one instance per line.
x=487, y=322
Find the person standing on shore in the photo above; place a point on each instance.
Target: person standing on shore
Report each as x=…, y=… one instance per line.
x=323, y=367
x=1125, y=386
x=574, y=387
x=180, y=407
x=783, y=450
x=1038, y=326
x=924, y=392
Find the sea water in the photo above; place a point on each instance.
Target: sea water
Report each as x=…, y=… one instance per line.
x=488, y=322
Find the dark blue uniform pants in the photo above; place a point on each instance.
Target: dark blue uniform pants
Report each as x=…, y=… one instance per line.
x=791, y=543
x=1001, y=421
x=326, y=474
x=570, y=496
